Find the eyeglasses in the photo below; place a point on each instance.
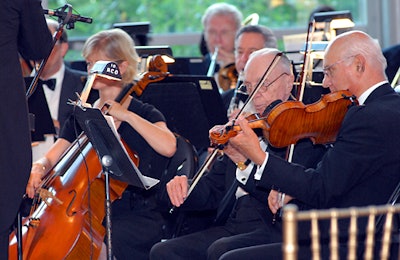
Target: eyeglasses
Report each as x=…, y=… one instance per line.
x=222, y=34
x=328, y=69
x=264, y=87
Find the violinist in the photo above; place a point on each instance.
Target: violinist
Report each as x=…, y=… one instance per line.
x=220, y=24
x=136, y=223
x=242, y=212
x=362, y=167
x=23, y=31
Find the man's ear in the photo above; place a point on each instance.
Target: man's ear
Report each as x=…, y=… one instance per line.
x=360, y=63
x=64, y=48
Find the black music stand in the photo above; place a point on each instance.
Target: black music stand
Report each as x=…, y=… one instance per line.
x=113, y=157
x=191, y=105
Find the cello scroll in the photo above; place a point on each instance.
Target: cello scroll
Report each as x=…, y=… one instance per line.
x=158, y=70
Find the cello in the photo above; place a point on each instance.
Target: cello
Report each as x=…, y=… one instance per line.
x=66, y=223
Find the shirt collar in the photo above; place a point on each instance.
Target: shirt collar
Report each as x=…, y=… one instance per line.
x=361, y=99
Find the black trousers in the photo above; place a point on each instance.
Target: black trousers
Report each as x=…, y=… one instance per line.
x=136, y=226
x=4, y=236
x=245, y=227
x=274, y=251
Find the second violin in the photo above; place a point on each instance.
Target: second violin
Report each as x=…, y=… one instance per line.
x=291, y=121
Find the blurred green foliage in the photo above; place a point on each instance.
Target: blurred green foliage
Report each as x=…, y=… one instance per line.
x=180, y=16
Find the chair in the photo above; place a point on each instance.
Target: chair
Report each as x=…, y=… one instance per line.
x=373, y=234
x=184, y=162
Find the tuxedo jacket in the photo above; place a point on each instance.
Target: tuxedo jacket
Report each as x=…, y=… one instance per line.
x=362, y=168
x=392, y=55
x=213, y=189
x=73, y=82
x=23, y=31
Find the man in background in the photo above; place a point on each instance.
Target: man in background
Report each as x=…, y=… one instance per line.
x=220, y=24
x=60, y=84
x=248, y=39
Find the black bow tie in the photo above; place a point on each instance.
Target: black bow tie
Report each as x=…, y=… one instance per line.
x=50, y=83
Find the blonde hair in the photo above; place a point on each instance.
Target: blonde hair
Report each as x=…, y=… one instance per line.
x=118, y=46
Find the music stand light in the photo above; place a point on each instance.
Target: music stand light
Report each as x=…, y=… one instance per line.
x=147, y=52
x=334, y=20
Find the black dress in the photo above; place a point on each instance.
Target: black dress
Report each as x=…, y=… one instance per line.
x=136, y=220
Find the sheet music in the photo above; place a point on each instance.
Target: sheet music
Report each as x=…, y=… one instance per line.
x=147, y=182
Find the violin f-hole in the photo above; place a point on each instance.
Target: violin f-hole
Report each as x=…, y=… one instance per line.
x=69, y=212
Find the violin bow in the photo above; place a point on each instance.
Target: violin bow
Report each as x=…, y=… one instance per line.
x=302, y=81
x=213, y=154
x=299, y=97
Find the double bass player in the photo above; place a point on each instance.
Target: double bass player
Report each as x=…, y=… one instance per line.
x=137, y=224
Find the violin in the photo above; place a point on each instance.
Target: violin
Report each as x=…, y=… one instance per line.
x=66, y=223
x=291, y=121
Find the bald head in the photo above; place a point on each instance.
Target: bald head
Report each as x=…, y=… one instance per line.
x=358, y=42
x=278, y=82
x=353, y=61
x=263, y=58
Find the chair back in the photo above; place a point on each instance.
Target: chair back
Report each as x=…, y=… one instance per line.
x=184, y=162
x=373, y=236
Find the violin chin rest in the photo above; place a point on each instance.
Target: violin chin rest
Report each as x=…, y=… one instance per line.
x=271, y=106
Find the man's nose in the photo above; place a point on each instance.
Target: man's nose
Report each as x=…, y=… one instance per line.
x=326, y=82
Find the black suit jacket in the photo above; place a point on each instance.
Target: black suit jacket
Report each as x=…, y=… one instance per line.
x=212, y=189
x=23, y=30
x=362, y=168
x=74, y=81
x=392, y=55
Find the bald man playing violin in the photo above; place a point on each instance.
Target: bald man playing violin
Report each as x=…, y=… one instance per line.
x=363, y=166
x=243, y=216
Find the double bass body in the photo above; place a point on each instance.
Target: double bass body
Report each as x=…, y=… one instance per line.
x=67, y=222
x=69, y=225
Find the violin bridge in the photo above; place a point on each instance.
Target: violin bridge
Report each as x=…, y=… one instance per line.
x=45, y=195
x=34, y=222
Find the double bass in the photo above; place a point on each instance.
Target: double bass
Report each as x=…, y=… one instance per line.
x=66, y=223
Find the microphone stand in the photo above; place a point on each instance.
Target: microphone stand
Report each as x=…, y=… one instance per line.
x=106, y=162
x=65, y=18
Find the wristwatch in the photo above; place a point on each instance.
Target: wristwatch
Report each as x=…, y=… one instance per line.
x=243, y=165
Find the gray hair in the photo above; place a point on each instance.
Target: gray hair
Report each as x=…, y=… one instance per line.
x=270, y=40
x=222, y=9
